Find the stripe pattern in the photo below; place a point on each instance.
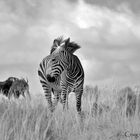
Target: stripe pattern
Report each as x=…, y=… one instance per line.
x=60, y=73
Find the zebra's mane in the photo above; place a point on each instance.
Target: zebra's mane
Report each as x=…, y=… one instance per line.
x=70, y=47
x=59, y=40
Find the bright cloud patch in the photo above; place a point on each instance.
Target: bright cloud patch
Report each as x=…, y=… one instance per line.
x=117, y=28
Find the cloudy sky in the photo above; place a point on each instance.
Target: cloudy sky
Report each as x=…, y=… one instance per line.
x=108, y=32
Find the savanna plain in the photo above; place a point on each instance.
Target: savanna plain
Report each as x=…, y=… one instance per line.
x=21, y=119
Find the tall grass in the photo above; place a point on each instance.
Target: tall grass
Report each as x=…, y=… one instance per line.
x=30, y=120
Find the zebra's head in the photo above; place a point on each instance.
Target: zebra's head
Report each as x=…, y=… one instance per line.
x=61, y=52
x=54, y=68
x=58, y=61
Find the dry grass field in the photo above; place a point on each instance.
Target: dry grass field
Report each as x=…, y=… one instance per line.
x=30, y=120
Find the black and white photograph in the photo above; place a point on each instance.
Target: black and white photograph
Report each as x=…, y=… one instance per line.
x=69, y=70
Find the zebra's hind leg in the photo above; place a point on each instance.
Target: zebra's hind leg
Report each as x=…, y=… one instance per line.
x=63, y=98
x=67, y=103
x=78, y=94
x=67, y=96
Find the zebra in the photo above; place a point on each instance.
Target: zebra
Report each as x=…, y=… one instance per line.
x=5, y=85
x=19, y=87
x=61, y=72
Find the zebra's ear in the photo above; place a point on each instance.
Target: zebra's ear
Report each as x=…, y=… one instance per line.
x=67, y=41
x=55, y=42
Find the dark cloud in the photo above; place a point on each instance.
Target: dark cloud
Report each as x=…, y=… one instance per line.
x=114, y=4
x=23, y=7
x=74, y=1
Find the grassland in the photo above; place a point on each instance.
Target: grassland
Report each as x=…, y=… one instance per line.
x=30, y=120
